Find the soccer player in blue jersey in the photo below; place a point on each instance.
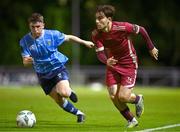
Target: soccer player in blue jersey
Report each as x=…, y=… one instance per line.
x=39, y=48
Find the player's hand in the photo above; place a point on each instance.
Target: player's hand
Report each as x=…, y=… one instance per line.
x=27, y=61
x=154, y=53
x=111, y=61
x=89, y=44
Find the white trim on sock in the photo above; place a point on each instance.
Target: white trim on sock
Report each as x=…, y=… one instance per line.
x=65, y=103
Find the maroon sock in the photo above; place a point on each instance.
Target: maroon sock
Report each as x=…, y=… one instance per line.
x=127, y=114
x=137, y=99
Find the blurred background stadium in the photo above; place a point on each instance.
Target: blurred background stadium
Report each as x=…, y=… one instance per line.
x=161, y=19
x=19, y=86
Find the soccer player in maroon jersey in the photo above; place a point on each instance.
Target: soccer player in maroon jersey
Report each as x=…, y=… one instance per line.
x=115, y=49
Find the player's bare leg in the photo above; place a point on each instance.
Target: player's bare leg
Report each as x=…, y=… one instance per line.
x=126, y=95
x=63, y=88
x=56, y=97
x=138, y=100
x=66, y=105
x=122, y=107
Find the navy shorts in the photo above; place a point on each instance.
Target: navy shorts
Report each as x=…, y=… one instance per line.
x=49, y=80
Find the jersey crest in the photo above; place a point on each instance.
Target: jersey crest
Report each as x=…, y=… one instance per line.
x=49, y=42
x=32, y=47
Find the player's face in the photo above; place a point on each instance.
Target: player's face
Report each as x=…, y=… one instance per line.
x=36, y=28
x=101, y=21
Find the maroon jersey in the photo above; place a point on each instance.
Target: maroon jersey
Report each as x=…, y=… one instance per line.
x=117, y=43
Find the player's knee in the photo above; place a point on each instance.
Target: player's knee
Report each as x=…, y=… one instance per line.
x=64, y=92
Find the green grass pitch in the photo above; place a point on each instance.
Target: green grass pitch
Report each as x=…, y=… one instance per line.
x=162, y=108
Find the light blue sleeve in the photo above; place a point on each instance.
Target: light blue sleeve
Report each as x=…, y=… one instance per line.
x=24, y=50
x=59, y=37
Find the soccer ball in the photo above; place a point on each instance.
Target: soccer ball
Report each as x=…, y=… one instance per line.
x=25, y=118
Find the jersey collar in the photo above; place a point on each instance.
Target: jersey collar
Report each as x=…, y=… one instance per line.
x=39, y=36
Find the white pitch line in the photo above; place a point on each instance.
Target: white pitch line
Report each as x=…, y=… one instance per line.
x=159, y=128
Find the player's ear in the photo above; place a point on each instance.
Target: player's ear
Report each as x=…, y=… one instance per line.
x=109, y=18
x=43, y=25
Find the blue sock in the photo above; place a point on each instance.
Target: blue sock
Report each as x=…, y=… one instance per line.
x=67, y=106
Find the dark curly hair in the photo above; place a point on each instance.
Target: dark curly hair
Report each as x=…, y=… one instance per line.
x=108, y=10
x=36, y=17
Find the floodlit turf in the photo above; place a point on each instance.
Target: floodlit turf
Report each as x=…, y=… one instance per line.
x=162, y=107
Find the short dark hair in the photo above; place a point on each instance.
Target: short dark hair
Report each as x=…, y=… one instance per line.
x=36, y=17
x=108, y=10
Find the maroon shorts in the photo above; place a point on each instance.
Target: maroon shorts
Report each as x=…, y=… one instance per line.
x=127, y=80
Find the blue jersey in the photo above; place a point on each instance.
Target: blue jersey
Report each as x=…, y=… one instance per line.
x=44, y=50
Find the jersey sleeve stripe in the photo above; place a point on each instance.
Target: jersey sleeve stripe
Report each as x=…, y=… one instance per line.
x=99, y=49
x=138, y=28
x=134, y=58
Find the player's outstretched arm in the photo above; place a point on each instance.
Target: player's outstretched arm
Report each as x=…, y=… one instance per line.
x=73, y=38
x=146, y=37
x=153, y=51
x=27, y=61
